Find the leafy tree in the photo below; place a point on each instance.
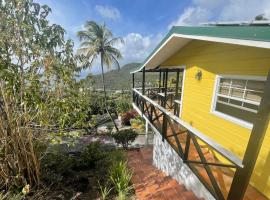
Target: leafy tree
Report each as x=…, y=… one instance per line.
x=97, y=41
x=37, y=71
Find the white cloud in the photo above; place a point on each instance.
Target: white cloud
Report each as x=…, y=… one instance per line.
x=191, y=16
x=108, y=12
x=137, y=47
x=222, y=10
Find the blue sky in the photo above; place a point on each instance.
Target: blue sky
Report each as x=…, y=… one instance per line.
x=143, y=23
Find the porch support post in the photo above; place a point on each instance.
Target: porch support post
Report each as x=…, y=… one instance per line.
x=176, y=91
x=163, y=81
x=164, y=125
x=143, y=82
x=159, y=81
x=243, y=175
x=133, y=81
x=143, y=90
x=165, y=89
x=146, y=132
x=133, y=85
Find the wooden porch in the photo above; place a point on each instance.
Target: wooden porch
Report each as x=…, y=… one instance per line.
x=216, y=167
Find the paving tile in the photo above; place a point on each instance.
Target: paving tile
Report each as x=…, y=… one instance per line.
x=151, y=183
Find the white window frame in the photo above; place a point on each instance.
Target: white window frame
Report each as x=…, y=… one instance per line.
x=214, y=99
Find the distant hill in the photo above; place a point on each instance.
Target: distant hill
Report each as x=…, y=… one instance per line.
x=122, y=79
x=116, y=79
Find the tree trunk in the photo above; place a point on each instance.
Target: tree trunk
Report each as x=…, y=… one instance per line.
x=105, y=95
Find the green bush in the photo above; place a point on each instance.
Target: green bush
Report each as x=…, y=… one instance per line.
x=120, y=176
x=125, y=137
x=91, y=154
x=123, y=105
x=137, y=123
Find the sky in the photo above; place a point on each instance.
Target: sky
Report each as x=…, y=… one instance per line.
x=143, y=23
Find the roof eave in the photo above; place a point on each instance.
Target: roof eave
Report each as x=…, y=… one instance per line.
x=173, y=34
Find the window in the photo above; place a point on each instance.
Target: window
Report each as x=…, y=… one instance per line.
x=238, y=99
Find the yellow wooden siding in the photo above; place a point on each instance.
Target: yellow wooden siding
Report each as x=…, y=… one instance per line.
x=212, y=59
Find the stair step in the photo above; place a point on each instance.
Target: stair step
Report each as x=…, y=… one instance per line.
x=150, y=182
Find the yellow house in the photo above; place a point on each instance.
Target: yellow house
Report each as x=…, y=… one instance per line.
x=216, y=118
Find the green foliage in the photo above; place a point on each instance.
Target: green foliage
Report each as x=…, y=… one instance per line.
x=37, y=72
x=91, y=154
x=125, y=137
x=55, y=165
x=137, y=123
x=120, y=176
x=104, y=192
x=123, y=105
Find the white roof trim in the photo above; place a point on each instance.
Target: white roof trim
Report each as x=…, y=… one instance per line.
x=251, y=43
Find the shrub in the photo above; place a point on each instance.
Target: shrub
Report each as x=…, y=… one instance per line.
x=125, y=137
x=126, y=117
x=120, y=176
x=137, y=123
x=123, y=105
x=91, y=154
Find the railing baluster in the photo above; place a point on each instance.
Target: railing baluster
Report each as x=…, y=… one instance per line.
x=208, y=169
x=164, y=127
x=185, y=158
x=176, y=138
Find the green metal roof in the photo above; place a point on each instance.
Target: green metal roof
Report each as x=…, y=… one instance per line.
x=254, y=33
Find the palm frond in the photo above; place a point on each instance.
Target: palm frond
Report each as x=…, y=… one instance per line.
x=112, y=50
x=114, y=41
x=96, y=39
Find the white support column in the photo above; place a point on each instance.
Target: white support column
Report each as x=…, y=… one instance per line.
x=146, y=132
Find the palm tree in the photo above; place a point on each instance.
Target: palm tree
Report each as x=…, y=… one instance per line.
x=97, y=41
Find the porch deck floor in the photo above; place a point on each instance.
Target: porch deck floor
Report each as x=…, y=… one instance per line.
x=151, y=183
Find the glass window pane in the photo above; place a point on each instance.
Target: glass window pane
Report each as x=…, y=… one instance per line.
x=224, y=90
x=236, y=112
x=237, y=93
x=251, y=106
x=254, y=96
x=225, y=82
x=223, y=99
x=239, y=83
x=235, y=102
x=255, y=85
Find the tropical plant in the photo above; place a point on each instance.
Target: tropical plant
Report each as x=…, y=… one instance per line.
x=120, y=176
x=125, y=137
x=137, y=123
x=127, y=116
x=37, y=71
x=98, y=41
x=104, y=191
x=123, y=105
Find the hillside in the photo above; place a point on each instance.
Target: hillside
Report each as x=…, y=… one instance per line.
x=121, y=79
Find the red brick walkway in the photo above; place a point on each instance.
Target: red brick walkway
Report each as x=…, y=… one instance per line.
x=151, y=183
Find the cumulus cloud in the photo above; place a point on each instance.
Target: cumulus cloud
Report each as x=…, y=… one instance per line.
x=191, y=16
x=108, y=12
x=137, y=47
x=222, y=10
